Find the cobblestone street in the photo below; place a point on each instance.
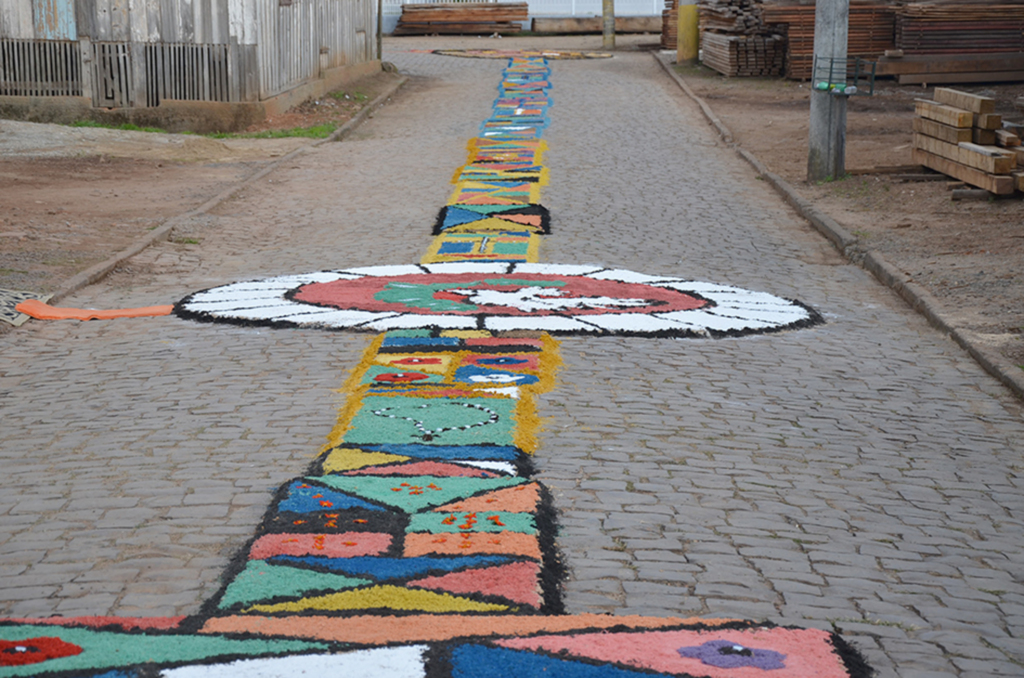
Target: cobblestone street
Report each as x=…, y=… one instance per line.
x=863, y=475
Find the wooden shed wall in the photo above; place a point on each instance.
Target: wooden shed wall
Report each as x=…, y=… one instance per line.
x=16, y=19
x=210, y=50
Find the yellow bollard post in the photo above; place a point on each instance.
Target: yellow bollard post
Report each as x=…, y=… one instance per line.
x=687, y=33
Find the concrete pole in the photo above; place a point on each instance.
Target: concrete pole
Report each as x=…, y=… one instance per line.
x=826, y=156
x=380, y=31
x=608, y=31
x=687, y=33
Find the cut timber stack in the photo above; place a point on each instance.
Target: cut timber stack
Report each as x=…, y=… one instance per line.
x=958, y=42
x=474, y=18
x=947, y=132
x=925, y=28
x=734, y=17
x=735, y=41
x=744, y=55
x=670, y=25
x=872, y=31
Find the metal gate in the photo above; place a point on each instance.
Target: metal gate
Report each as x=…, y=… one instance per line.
x=40, y=68
x=112, y=85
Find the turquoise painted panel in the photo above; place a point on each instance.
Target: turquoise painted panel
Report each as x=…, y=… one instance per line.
x=54, y=19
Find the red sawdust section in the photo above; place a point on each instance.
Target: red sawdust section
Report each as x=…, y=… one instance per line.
x=470, y=543
x=516, y=582
x=125, y=623
x=42, y=311
x=344, y=545
x=808, y=651
x=419, y=628
x=520, y=499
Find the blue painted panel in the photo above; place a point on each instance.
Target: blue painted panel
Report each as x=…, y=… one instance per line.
x=54, y=19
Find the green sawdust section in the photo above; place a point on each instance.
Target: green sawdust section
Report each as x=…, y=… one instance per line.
x=525, y=417
x=261, y=580
x=415, y=493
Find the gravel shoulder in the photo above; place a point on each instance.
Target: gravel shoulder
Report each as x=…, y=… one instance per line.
x=964, y=254
x=71, y=197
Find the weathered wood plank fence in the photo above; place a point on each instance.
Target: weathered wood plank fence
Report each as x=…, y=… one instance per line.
x=137, y=53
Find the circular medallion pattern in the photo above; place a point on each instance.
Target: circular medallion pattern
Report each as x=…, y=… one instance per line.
x=562, y=299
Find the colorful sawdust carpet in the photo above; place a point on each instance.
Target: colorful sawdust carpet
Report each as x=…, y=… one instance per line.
x=417, y=543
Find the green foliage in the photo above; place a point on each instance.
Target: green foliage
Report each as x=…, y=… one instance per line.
x=125, y=126
x=356, y=96
x=314, y=132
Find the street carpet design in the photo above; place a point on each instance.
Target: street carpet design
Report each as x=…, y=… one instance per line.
x=418, y=544
x=549, y=55
x=9, y=301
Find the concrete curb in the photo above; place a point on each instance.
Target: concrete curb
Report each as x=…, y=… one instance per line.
x=96, y=273
x=852, y=248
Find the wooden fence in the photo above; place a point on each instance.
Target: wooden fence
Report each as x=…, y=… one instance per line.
x=42, y=69
x=138, y=54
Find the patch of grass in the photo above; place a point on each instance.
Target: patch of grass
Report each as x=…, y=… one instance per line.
x=125, y=126
x=998, y=593
x=314, y=132
x=697, y=70
x=352, y=96
x=187, y=241
x=831, y=179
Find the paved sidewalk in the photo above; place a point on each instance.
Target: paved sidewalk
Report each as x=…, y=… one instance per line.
x=862, y=474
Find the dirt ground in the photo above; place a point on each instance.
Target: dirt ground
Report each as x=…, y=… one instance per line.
x=71, y=197
x=968, y=254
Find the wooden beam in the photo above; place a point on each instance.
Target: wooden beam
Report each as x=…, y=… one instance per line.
x=985, y=137
x=1007, y=138
x=988, y=121
x=935, y=64
x=967, y=154
x=1000, y=185
x=1019, y=176
x=952, y=135
x=947, y=115
x=969, y=102
x=978, y=150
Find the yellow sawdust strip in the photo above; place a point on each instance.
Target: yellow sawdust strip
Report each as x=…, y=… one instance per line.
x=384, y=597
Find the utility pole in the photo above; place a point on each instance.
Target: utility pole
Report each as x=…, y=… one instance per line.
x=380, y=31
x=687, y=32
x=608, y=30
x=826, y=156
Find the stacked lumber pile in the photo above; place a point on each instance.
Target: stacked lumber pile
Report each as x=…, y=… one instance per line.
x=670, y=25
x=473, y=18
x=872, y=31
x=925, y=28
x=744, y=55
x=734, y=17
x=956, y=134
x=917, y=69
x=958, y=42
x=735, y=41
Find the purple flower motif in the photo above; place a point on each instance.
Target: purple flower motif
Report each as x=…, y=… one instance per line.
x=725, y=654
